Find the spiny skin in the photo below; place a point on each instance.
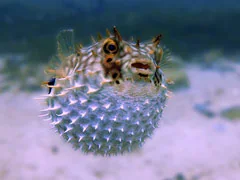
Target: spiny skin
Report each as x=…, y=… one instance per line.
x=108, y=97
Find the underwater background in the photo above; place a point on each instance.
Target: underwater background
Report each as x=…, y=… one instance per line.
x=29, y=28
x=200, y=131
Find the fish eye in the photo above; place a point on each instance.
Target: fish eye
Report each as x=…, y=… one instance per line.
x=110, y=47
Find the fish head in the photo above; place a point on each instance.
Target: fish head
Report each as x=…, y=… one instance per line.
x=131, y=66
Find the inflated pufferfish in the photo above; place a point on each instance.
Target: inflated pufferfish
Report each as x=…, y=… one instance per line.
x=106, y=98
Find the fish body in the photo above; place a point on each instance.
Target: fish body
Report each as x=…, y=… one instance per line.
x=107, y=98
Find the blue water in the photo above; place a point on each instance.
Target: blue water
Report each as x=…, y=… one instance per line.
x=31, y=26
x=187, y=27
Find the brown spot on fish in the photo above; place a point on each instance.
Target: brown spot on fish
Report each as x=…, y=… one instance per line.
x=140, y=65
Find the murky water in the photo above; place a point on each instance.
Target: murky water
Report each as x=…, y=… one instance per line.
x=199, y=135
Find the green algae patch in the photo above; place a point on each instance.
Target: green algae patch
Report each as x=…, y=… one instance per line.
x=232, y=113
x=179, y=78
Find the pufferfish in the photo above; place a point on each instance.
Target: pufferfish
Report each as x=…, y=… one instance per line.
x=106, y=99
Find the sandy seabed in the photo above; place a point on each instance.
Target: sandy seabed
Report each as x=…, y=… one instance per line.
x=186, y=142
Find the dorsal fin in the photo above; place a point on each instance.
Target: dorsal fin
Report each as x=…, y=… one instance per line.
x=65, y=42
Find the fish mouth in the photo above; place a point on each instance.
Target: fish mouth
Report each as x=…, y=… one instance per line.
x=143, y=67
